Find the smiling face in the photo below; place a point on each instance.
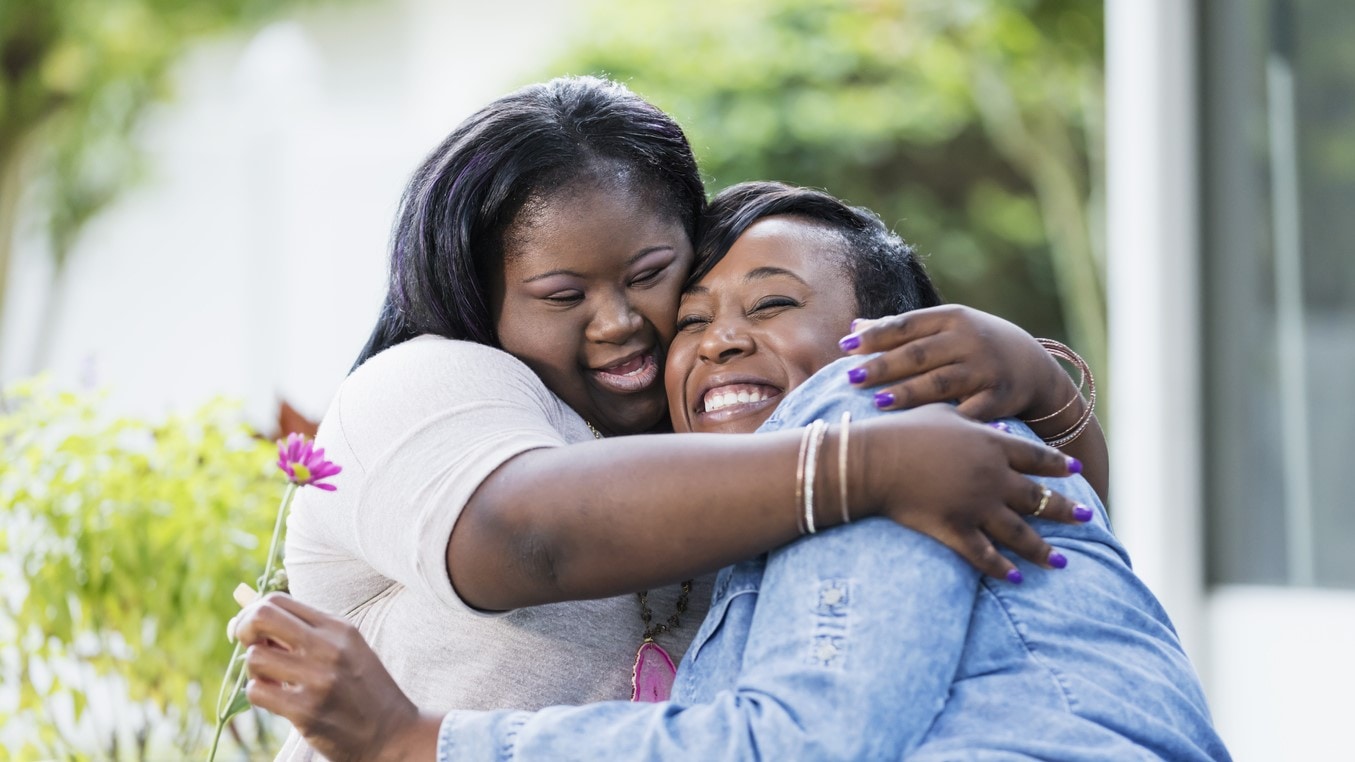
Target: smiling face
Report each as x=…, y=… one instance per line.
x=759, y=324
x=587, y=297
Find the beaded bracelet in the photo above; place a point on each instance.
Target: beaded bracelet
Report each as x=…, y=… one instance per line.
x=1085, y=378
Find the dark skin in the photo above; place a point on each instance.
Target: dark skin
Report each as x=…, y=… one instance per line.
x=956, y=352
x=587, y=298
x=756, y=317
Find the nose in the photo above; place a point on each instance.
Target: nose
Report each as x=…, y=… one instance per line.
x=615, y=320
x=723, y=341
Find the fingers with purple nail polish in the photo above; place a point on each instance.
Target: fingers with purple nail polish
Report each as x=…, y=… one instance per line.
x=857, y=375
x=1014, y=577
x=1074, y=466
x=1082, y=513
x=1000, y=426
x=848, y=343
x=884, y=399
x=1057, y=559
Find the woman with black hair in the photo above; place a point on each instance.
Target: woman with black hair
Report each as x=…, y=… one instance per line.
x=536, y=267
x=865, y=641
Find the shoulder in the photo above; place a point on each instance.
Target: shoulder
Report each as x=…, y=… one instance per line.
x=430, y=378
x=428, y=361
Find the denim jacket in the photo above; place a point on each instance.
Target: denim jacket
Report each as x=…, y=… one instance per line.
x=872, y=641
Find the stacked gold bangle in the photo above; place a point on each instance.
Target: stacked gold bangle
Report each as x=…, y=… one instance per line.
x=1085, y=379
x=806, y=472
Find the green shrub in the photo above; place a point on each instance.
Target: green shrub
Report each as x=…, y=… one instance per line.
x=120, y=543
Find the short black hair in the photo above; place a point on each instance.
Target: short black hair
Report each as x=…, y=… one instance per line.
x=524, y=146
x=887, y=276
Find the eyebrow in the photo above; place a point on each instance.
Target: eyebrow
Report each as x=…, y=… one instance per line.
x=760, y=273
x=641, y=254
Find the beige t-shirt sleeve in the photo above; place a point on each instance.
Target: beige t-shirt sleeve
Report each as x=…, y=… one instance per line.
x=428, y=421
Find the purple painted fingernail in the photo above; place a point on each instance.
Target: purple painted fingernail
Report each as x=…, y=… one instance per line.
x=884, y=399
x=856, y=375
x=855, y=323
x=1057, y=560
x=1000, y=426
x=1074, y=466
x=848, y=343
x=1014, y=577
x=1082, y=513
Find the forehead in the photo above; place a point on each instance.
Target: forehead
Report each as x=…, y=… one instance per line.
x=588, y=219
x=810, y=249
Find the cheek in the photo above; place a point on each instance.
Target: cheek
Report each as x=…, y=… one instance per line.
x=659, y=307
x=543, y=342
x=678, y=366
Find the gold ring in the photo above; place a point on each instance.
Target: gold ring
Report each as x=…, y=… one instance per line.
x=1044, y=501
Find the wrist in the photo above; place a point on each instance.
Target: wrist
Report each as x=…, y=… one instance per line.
x=866, y=493
x=416, y=738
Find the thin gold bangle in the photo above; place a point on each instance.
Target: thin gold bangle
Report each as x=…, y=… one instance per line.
x=817, y=431
x=842, y=464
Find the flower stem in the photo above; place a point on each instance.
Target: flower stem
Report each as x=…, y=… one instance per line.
x=277, y=535
x=225, y=699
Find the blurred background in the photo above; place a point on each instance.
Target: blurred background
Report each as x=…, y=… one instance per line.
x=195, y=199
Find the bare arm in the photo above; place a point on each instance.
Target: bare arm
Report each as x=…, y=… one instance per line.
x=607, y=517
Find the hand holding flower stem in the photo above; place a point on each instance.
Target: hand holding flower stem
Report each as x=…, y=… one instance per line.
x=303, y=466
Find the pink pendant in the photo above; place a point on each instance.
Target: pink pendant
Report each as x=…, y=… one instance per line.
x=654, y=674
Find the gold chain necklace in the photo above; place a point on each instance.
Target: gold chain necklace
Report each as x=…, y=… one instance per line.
x=654, y=672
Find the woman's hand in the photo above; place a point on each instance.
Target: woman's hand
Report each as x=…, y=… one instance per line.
x=990, y=366
x=966, y=484
x=318, y=672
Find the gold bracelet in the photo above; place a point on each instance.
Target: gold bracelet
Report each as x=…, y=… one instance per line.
x=817, y=431
x=842, y=465
x=1085, y=378
x=800, y=479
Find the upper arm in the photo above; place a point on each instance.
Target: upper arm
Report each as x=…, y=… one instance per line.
x=439, y=417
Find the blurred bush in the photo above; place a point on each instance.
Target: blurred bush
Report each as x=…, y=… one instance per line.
x=120, y=544
x=972, y=126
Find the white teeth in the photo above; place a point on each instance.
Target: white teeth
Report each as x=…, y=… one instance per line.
x=718, y=400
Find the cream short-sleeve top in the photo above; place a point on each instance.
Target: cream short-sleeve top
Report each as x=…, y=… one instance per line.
x=417, y=429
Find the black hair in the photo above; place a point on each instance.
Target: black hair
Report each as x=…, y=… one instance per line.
x=522, y=147
x=887, y=276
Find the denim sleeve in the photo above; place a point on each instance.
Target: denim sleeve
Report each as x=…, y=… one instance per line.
x=855, y=640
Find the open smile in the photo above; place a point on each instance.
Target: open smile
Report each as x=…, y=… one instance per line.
x=630, y=374
x=728, y=399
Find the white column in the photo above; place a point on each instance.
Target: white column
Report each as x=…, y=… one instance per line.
x=1153, y=256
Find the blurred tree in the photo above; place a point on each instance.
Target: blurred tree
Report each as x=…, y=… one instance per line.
x=974, y=126
x=75, y=77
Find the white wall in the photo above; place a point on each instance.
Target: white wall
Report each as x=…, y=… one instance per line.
x=1277, y=662
x=251, y=261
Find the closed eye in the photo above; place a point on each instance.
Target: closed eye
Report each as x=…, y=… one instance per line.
x=772, y=303
x=647, y=277
x=691, y=322
x=564, y=298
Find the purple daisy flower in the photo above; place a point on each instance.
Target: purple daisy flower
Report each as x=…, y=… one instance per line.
x=303, y=464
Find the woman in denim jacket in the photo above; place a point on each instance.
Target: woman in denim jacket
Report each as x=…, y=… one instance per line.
x=864, y=641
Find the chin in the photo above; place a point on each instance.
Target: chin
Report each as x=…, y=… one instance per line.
x=635, y=418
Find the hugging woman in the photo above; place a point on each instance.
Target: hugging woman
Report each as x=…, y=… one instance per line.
x=865, y=641
x=536, y=268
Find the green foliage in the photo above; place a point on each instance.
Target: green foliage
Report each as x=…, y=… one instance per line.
x=971, y=125
x=119, y=548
